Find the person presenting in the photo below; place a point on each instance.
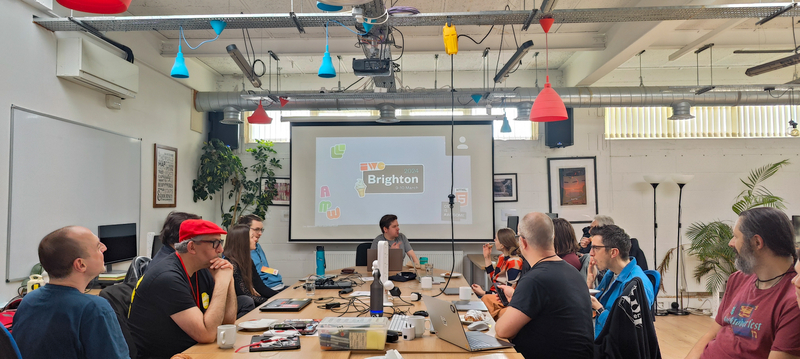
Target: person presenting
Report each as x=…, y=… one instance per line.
x=238, y=245
x=169, y=313
x=58, y=320
x=268, y=275
x=391, y=233
x=609, y=250
x=550, y=314
x=758, y=316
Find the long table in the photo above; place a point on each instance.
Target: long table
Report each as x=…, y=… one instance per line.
x=310, y=348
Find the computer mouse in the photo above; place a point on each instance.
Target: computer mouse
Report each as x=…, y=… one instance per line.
x=478, y=326
x=421, y=312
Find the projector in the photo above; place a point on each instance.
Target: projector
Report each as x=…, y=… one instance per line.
x=372, y=67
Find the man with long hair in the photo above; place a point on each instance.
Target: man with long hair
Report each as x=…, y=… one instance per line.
x=269, y=275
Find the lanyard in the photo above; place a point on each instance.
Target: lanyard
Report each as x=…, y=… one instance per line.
x=195, y=294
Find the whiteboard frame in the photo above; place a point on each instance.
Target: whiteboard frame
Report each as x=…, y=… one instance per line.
x=11, y=177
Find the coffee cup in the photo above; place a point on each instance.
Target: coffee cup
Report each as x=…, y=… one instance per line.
x=226, y=336
x=465, y=293
x=418, y=322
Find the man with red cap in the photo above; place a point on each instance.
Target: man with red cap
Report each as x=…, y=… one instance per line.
x=169, y=312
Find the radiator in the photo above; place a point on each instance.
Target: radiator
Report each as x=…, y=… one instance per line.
x=440, y=259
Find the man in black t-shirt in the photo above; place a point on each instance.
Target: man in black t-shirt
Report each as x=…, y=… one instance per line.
x=170, y=312
x=550, y=313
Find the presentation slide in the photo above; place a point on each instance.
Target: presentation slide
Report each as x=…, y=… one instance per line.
x=344, y=178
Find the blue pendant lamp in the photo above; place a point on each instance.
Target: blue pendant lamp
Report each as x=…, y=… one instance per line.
x=327, y=7
x=506, y=128
x=326, y=70
x=179, y=70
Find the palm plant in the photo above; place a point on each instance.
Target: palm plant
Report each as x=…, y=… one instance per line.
x=710, y=240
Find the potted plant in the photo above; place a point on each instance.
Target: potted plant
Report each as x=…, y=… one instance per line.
x=220, y=167
x=709, y=241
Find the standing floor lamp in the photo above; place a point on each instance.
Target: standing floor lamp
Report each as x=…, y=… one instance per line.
x=677, y=306
x=654, y=181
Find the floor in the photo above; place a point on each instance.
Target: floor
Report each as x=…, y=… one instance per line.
x=678, y=334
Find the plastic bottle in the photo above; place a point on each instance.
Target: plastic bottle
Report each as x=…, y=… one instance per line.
x=376, y=294
x=423, y=261
x=320, y=260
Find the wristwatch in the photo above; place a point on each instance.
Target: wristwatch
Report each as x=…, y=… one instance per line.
x=599, y=311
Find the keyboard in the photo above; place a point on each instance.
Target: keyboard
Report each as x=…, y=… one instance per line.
x=397, y=323
x=478, y=342
x=339, y=284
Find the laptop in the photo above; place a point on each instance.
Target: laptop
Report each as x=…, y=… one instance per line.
x=396, y=257
x=285, y=305
x=444, y=318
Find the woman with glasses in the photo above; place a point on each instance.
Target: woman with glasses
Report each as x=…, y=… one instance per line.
x=238, y=245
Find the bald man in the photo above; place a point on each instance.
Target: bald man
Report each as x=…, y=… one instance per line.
x=551, y=314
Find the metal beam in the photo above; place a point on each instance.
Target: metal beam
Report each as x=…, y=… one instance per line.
x=705, y=38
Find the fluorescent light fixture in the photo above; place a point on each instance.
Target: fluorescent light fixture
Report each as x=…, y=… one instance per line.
x=273, y=55
x=240, y=61
x=548, y=5
x=773, y=65
x=517, y=57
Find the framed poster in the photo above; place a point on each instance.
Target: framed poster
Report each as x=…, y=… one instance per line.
x=165, y=176
x=282, y=190
x=505, y=187
x=572, y=184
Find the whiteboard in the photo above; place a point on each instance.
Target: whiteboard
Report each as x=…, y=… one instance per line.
x=66, y=173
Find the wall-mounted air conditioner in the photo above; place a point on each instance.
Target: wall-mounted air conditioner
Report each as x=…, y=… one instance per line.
x=90, y=65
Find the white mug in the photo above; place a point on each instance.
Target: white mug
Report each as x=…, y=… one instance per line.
x=426, y=282
x=226, y=336
x=418, y=322
x=465, y=293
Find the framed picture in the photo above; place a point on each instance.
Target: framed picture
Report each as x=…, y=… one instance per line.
x=282, y=190
x=165, y=176
x=505, y=187
x=573, y=188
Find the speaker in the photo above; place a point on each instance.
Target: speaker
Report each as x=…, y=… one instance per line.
x=560, y=133
x=513, y=222
x=228, y=134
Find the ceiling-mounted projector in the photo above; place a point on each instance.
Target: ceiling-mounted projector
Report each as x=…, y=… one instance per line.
x=345, y=2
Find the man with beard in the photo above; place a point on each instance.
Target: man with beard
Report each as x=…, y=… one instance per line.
x=758, y=316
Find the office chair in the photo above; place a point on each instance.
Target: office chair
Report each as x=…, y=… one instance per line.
x=8, y=346
x=119, y=296
x=655, y=278
x=137, y=269
x=361, y=254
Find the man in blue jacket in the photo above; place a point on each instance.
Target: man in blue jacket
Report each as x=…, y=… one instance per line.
x=610, y=250
x=268, y=274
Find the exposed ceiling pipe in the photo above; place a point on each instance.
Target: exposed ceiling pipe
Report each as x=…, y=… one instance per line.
x=578, y=97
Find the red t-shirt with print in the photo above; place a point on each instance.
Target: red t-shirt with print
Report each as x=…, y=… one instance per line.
x=756, y=321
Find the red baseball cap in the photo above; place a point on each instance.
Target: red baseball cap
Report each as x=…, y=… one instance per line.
x=191, y=228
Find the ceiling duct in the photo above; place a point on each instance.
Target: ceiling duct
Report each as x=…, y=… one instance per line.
x=387, y=113
x=681, y=111
x=576, y=97
x=524, y=111
x=231, y=115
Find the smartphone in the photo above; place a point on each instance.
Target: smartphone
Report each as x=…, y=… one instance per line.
x=501, y=295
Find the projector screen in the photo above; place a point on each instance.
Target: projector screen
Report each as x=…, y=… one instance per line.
x=346, y=177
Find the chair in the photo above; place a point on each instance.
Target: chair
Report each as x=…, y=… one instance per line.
x=119, y=296
x=655, y=278
x=8, y=346
x=361, y=254
x=137, y=268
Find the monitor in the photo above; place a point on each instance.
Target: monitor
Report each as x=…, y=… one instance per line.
x=156, y=246
x=513, y=223
x=552, y=215
x=120, y=242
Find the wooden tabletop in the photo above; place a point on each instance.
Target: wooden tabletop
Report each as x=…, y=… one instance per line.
x=310, y=344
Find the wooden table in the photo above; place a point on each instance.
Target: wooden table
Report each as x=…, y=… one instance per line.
x=310, y=347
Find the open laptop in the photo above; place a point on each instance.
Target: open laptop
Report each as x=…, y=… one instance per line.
x=444, y=318
x=396, y=257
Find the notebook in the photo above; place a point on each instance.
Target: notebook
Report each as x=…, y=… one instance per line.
x=285, y=305
x=445, y=320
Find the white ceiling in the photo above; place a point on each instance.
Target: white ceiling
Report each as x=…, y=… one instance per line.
x=573, y=46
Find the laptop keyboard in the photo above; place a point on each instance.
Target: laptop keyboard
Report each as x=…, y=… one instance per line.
x=477, y=342
x=397, y=323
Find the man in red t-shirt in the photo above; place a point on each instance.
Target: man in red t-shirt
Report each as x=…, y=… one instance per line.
x=758, y=316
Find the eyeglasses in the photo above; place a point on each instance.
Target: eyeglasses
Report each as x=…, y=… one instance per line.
x=215, y=244
x=260, y=230
x=593, y=247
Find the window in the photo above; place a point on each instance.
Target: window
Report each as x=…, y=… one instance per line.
x=709, y=122
x=279, y=131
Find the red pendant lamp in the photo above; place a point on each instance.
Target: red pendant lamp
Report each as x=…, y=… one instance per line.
x=97, y=6
x=283, y=100
x=548, y=106
x=259, y=116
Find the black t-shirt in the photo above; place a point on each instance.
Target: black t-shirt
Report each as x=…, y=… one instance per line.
x=163, y=291
x=555, y=297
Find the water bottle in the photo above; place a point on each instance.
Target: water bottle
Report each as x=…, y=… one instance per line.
x=376, y=294
x=320, y=260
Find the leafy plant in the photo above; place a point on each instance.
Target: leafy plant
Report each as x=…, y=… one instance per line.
x=710, y=240
x=219, y=166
